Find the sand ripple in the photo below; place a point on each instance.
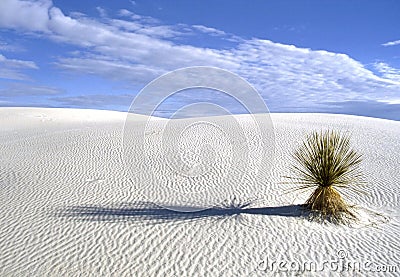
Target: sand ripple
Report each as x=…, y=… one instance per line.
x=71, y=206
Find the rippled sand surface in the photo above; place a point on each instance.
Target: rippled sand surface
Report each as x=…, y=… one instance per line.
x=80, y=196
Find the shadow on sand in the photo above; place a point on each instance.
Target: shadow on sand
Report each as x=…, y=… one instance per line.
x=147, y=211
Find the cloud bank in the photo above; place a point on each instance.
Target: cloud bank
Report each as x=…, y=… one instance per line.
x=392, y=43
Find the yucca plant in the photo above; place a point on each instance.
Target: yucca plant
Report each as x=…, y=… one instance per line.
x=326, y=161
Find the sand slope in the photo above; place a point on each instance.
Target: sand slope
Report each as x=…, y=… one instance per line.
x=70, y=205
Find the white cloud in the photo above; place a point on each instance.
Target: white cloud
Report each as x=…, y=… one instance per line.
x=388, y=72
x=125, y=12
x=161, y=31
x=102, y=12
x=392, y=43
x=10, y=47
x=25, y=15
x=298, y=76
x=137, y=17
x=17, y=63
x=196, y=29
x=391, y=101
x=115, y=70
x=12, y=68
x=208, y=30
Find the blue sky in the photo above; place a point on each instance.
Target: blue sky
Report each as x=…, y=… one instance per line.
x=302, y=56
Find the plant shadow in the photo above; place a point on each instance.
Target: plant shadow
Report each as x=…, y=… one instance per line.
x=147, y=211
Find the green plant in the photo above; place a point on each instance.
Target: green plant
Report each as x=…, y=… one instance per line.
x=326, y=161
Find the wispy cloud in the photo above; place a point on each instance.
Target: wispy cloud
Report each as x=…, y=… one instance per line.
x=10, y=47
x=365, y=108
x=17, y=63
x=112, y=69
x=156, y=31
x=208, y=30
x=124, y=12
x=212, y=32
x=96, y=101
x=392, y=43
x=388, y=72
x=27, y=95
x=102, y=12
x=13, y=68
x=21, y=89
x=136, y=17
x=288, y=76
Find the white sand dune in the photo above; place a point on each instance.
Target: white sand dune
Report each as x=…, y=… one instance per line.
x=72, y=204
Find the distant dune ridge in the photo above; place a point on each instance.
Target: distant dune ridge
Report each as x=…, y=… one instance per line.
x=71, y=203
